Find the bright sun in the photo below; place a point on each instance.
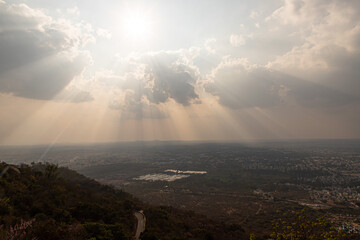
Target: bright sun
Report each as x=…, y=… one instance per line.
x=137, y=26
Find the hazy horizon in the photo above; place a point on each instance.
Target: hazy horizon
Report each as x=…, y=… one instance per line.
x=211, y=71
x=248, y=142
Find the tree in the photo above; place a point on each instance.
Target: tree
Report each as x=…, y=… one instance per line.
x=51, y=171
x=300, y=226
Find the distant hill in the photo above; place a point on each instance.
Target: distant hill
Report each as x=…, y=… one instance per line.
x=43, y=201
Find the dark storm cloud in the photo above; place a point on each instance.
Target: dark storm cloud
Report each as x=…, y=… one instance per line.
x=39, y=55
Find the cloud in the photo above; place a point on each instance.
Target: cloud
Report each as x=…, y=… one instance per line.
x=73, y=11
x=104, y=33
x=134, y=106
x=40, y=55
x=240, y=84
x=142, y=84
x=297, y=12
x=237, y=40
x=170, y=82
x=329, y=52
x=209, y=45
x=254, y=14
x=155, y=78
x=169, y=76
x=204, y=58
x=75, y=95
x=319, y=70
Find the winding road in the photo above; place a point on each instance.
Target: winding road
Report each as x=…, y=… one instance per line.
x=141, y=224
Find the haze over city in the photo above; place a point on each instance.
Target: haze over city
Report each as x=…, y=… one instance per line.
x=104, y=71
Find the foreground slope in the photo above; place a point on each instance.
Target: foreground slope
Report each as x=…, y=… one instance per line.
x=45, y=202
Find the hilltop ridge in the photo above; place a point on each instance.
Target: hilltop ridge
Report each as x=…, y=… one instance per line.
x=43, y=201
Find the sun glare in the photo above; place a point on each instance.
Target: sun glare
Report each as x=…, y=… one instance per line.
x=137, y=26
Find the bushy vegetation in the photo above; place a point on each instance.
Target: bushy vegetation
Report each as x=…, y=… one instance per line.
x=43, y=201
x=62, y=205
x=302, y=226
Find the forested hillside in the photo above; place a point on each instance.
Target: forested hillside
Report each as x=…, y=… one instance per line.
x=43, y=201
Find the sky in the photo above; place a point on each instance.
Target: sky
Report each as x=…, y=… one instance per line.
x=207, y=70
